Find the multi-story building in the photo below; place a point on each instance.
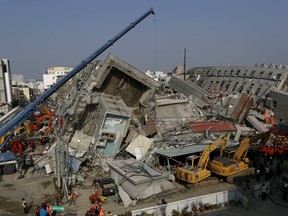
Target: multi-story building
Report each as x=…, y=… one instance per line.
x=25, y=92
x=268, y=84
x=159, y=76
x=54, y=73
x=18, y=78
x=5, y=87
x=257, y=80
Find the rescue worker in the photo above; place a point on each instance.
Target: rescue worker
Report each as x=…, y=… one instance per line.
x=91, y=211
x=37, y=211
x=101, y=211
x=266, y=116
x=264, y=192
x=49, y=209
x=25, y=206
x=93, y=197
x=272, y=119
x=43, y=211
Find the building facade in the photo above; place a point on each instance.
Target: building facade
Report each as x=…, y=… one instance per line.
x=257, y=80
x=18, y=78
x=5, y=87
x=54, y=73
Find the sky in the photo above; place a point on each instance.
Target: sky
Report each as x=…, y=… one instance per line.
x=39, y=34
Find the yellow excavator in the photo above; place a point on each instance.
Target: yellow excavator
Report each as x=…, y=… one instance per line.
x=23, y=128
x=238, y=165
x=192, y=173
x=2, y=139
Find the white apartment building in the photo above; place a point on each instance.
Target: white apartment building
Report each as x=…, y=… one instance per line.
x=18, y=78
x=156, y=75
x=159, y=76
x=54, y=73
x=5, y=87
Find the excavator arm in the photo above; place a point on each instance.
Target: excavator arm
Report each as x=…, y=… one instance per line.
x=244, y=145
x=205, y=154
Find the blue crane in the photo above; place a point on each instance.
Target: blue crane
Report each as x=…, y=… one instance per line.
x=31, y=107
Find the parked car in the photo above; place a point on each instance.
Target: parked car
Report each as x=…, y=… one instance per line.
x=106, y=186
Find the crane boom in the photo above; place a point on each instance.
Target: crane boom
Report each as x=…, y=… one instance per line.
x=25, y=113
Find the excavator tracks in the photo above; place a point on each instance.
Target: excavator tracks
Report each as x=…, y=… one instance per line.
x=247, y=172
x=204, y=183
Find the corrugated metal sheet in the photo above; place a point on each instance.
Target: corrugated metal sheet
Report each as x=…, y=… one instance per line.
x=200, y=127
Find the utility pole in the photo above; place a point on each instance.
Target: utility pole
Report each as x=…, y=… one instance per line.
x=59, y=159
x=184, y=68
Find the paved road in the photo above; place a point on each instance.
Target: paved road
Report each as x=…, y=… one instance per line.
x=38, y=188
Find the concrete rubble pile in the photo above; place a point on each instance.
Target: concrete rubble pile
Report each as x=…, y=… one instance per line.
x=117, y=118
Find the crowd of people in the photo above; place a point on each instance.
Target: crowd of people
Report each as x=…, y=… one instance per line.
x=43, y=210
x=96, y=208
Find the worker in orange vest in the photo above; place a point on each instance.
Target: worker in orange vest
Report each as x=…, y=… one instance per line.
x=101, y=211
x=266, y=116
x=272, y=120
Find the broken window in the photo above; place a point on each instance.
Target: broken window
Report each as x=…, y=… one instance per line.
x=238, y=72
x=250, y=88
x=274, y=104
x=235, y=87
x=240, y=89
x=227, y=87
x=278, y=76
x=253, y=73
x=246, y=73
x=257, y=91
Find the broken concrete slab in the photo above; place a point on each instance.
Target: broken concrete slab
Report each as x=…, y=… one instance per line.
x=136, y=180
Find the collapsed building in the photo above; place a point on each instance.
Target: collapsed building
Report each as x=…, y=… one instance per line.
x=256, y=80
x=121, y=120
x=101, y=104
x=267, y=83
